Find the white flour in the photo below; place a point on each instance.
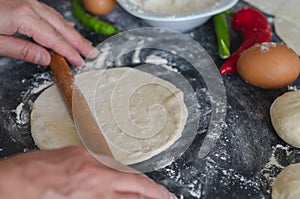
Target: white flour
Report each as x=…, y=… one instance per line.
x=136, y=56
x=174, y=6
x=38, y=84
x=154, y=59
x=273, y=167
x=292, y=88
x=227, y=177
x=18, y=112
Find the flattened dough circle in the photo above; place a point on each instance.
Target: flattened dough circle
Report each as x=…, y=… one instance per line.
x=141, y=115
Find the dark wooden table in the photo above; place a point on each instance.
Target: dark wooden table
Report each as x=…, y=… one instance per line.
x=246, y=159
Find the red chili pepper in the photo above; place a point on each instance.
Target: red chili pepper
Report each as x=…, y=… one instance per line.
x=254, y=27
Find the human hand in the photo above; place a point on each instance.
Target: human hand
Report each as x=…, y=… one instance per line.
x=45, y=26
x=71, y=173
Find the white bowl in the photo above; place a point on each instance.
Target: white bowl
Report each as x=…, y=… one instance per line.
x=178, y=22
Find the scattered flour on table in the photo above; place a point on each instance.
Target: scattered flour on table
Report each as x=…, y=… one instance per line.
x=195, y=188
x=292, y=88
x=18, y=112
x=16, y=119
x=273, y=167
x=36, y=85
x=155, y=59
x=192, y=188
x=136, y=56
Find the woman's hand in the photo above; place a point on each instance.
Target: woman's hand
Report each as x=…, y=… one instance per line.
x=71, y=173
x=45, y=26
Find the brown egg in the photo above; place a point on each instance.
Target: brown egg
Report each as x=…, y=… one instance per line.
x=269, y=65
x=99, y=7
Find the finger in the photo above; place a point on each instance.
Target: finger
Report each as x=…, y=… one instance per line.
x=137, y=183
x=119, y=182
x=44, y=34
x=129, y=196
x=113, y=164
x=25, y=50
x=64, y=28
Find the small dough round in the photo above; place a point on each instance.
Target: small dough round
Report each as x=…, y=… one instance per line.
x=285, y=117
x=270, y=7
x=140, y=115
x=288, y=32
x=287, y=183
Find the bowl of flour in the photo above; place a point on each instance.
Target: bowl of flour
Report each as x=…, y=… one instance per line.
x=179, y=15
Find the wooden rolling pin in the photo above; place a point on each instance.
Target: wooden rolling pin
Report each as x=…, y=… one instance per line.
x=86, y=122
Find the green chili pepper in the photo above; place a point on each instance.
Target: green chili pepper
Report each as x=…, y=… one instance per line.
x=91, y=22
x=229, y=12
x=222, y=33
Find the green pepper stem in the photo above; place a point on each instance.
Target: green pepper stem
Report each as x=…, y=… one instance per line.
x=222, y=34
x=223, y=50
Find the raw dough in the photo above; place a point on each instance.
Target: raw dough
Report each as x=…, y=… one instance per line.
x=285, y=116
x=279, y=8
x=267, y=6
x=287, y=19
x=287, y=183
x=288, y=32
x=140, y=114
x=289, y=10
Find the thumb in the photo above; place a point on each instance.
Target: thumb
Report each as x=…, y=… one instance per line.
x=25, y=50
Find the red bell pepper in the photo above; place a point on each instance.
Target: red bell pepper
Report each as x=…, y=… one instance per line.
x=254, y=27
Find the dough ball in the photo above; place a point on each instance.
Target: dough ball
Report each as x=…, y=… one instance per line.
x=287, y=183
x=285, y=117
x=141, y=115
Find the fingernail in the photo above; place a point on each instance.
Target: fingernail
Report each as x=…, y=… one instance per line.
x=172, y=196
x=165, y=192
x=71, y=23
x=94, y=53
x=43, y=60
x=82, y=63
x=79, y=62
